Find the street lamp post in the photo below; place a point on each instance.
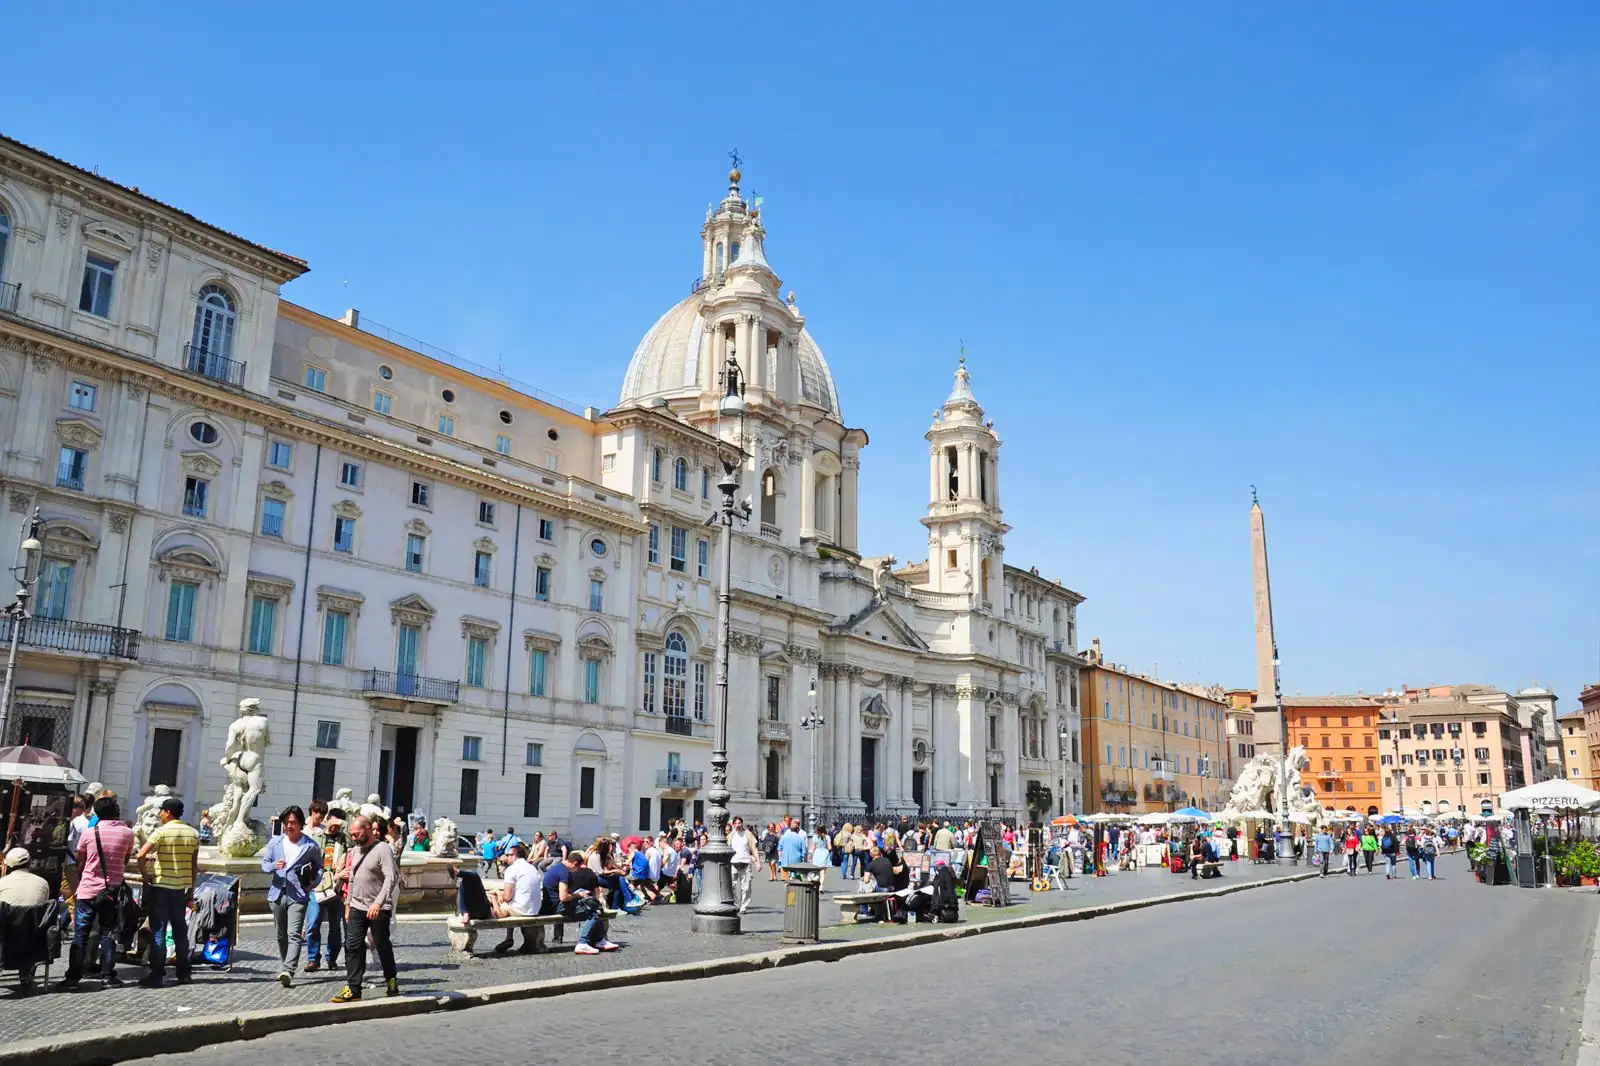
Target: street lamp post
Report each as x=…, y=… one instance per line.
x=1065, y=735
x=812, y=723
x=1399, y=772
x=1283, y=764
x=716, y=911
x=17, y=612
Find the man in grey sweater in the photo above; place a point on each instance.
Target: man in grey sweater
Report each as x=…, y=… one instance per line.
x=371, y=881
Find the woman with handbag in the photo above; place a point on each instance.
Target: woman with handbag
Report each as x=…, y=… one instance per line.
x=295, y=862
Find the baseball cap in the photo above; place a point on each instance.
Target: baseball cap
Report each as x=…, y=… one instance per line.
x=17, y=857
x=173, y=805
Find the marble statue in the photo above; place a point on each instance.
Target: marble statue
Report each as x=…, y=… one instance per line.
x=374, y=807
x=1256, y=788
x=147, y=817
x=344, y=799
x=444, y=839
x=94, y=789
x=244, y=758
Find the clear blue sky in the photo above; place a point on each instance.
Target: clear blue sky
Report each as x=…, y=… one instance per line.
x=1347, y=256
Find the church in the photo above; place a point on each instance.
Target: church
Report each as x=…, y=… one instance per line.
x=474, y=599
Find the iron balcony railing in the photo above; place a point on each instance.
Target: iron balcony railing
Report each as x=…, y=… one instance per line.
x=679, y=778
x=8, y=296
x=81, y=638
x=206, y=363
x=679, y=724
x=410, y=686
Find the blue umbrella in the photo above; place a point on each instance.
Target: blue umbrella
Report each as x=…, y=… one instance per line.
x=1193, y=812
x=1390, y=819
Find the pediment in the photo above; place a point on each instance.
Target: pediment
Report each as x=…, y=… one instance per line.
x=78, y=433
x=201, y=463
x=412, y=608
x=877, y=620
x=99, y=231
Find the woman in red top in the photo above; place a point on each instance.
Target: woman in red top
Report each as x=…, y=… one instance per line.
x=1352, y=850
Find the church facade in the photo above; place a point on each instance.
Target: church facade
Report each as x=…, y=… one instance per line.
x=477, y=601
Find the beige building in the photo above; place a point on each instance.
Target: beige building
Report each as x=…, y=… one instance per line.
x=1151, y=745
x=1449, y=752
x=1575, y=748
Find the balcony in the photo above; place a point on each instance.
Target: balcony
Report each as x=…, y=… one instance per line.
x=680, y=780
x=1117, y=794
x=385, y=684
x=770, y=730
x=679, y=725
x=770, y=532
x=1329, y=775
x=8, y=297
x=995, y=757
x=73, y=638
x=208, y=364
x=1163, y=770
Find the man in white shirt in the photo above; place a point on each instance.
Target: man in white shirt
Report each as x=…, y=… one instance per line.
x=746, y=861
x=519, y=895
x=1075, y=848
x=670, y=860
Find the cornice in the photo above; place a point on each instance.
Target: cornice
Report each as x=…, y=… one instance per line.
x=40, y=341
x=58, y=176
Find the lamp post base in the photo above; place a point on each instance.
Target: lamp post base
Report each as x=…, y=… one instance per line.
x=719, y=924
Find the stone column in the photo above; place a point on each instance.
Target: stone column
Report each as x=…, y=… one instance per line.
x=852, y=718
x=906, y=734
x=847, y=501
x=840, y=726
x=972, y=768
x=808, y=491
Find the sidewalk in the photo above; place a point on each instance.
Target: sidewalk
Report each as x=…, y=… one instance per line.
x=658, y=937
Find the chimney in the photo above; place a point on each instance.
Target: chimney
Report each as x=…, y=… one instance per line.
x=1094, y=656
x=352, y=318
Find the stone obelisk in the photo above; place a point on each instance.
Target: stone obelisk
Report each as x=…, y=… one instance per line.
x=1268, y=718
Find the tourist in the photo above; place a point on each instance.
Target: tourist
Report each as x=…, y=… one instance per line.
x=103, y=853
x=554, y=890
x=1428, y=851
x=170, y=865
x=518, y=895
x=700, y=841
x=21, y=887
x=791, y=846
x=295, y=863
x=639, y=878
x=1369, y=845
x=75, y=827
x=769, y=850
x=1075, y=850
x=944, y=838
x=326, y=827
x=208, y=832
x=1197, y=855
x=611, y=876
x=1390, y=847
x=1322, y=843
x=1352, y=850
x=488, y=850
x=371, y=882
x=745, y=863
x=584, y=905
x=1413, y=853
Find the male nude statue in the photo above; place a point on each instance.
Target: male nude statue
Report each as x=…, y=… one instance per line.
x=244, y=756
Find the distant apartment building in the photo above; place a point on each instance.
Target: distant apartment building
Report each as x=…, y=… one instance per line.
x=1453, y=748
x=1339, y=735
x=1151, y=745
x=1575, y=748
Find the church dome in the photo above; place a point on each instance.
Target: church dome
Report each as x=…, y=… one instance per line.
x=668, y=361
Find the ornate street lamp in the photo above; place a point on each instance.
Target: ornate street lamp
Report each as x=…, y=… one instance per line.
x=812, y=723
x=716, y=911
x=17, y=613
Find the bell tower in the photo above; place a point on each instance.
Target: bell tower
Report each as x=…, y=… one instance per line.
x=966, y=533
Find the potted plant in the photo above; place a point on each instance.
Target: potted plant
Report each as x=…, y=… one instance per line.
x=1477, y=854
x=1581, y=860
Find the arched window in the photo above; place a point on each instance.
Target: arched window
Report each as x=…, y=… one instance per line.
x=674, y=675
x=769, y=498
x=655, y=466
x=719, y=257
x=680, y=474
x=214, y=319
x=5, y=237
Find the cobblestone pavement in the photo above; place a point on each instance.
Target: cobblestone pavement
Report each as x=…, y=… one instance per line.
x=1363, y=970
x=659, y=936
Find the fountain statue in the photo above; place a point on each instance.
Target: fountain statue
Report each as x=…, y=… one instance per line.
x=147, y=817
x=244, y=758
x=445, y=838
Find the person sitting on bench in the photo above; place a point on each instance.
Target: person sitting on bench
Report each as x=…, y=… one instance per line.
x=518, y=897
x=1199, y=854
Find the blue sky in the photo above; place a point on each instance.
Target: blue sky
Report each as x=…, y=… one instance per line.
x=1347, y=256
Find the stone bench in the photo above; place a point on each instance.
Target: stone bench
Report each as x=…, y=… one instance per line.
x=464, y=931
x=850, y=905
x=1210, y=869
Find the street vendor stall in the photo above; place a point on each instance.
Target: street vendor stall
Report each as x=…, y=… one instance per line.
x=36, y=804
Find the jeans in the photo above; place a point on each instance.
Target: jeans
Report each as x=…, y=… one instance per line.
x=1350, y=863
x=356, y=928
x=741, y=884
x=316, y=914
x=1367, y=857
x=290, y=917
x=84, y=917
x=618, y=894
x=1326, y=859
x=593, y=930
x=1391, y=865
x=166, y=909
x=1413, y=861
x=1427, y=861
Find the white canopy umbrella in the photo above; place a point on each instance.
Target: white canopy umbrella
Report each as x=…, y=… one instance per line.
x=1251, y=816
x=1154, y=818
x=1299, y=817
x=1104, y=816
x=1557, y=795
x=1452, y=816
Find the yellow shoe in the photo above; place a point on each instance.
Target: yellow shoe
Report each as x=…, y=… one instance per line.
x=346, y=995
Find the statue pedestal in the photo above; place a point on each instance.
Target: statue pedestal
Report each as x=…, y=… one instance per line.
x=426, y=883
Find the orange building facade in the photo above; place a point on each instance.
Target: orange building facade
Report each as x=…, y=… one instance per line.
x=1340, y=736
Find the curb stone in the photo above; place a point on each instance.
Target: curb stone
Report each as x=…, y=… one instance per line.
x=104, y=1046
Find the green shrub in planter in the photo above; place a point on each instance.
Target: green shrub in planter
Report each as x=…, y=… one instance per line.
x=1580, y=860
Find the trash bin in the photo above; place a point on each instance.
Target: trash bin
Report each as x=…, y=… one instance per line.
x=802, y=897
